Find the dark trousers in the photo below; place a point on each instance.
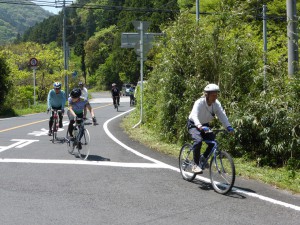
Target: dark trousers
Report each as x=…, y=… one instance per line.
x=71, y=124
x=116, y=100
x=197, y=137
x=51, y=117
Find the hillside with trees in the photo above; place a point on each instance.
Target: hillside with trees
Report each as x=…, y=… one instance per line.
x=224, y=47
x=15, y=19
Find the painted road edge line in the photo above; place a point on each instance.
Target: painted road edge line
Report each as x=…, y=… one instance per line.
x=164, y=165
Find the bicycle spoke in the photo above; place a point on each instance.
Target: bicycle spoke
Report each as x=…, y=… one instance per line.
x=186, y=162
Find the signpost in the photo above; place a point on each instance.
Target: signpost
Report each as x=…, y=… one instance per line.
x=142, y=43
x=33, y=62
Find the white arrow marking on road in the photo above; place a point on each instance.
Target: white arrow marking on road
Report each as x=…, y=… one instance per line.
x=20, y=143
x=44, y=132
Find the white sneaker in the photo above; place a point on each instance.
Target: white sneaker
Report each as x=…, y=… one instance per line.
x=196, y=169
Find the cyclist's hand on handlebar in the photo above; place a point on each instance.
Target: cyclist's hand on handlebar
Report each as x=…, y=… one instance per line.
x=205, y=129
x=48, y=110
x=230, y=129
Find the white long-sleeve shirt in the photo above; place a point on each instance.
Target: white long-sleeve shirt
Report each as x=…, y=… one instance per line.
x=84, y=93
x=202, y=113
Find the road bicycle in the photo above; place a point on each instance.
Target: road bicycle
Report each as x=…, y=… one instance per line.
x=221, y=166
x=79, y=145
x=55, y=125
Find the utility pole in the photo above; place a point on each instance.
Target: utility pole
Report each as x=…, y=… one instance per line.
x=65, y=50
x=292, y=34
x=265, y=42
x=197, y=10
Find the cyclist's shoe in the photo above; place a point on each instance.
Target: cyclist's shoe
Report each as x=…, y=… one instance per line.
x=49, y=133
x=94, y=120
x=60, y=124
x=79, y=145
x=196, y=169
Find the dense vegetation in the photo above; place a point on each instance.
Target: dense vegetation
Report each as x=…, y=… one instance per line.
x=225, y=47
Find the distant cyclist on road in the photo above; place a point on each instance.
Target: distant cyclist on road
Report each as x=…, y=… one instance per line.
x=76, y=108
x=56, y=100
x=115, y=93
x=85, y=96
x=131, y=94
x=204, y=110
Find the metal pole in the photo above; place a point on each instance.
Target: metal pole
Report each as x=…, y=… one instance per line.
x=292, y=34
x=141, y=70
x=34, y=75
x=197, y=10
x=265, y=42
x=142, y=67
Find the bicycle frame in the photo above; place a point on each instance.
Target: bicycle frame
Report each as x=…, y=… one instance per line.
x=80, y=129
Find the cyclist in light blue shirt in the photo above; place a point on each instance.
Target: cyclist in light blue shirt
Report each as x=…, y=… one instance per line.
x=56, y=100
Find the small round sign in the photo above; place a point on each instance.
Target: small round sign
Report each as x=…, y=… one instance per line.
x=33, y=62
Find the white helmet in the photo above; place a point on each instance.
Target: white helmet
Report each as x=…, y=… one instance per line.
x=211, y=87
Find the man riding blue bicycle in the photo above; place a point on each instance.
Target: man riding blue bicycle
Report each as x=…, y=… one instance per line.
x=204, y=111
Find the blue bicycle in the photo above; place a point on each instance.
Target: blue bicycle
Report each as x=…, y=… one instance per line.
x=221, y=166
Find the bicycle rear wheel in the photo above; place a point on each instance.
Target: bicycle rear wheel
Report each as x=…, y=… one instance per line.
x=222, y=172
x=186, y=162
x=84, y=148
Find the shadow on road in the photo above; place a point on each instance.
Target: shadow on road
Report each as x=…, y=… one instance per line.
x=97, y=158
x=233, y=194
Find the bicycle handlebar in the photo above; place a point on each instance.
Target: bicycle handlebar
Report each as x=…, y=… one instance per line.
x=216, y=131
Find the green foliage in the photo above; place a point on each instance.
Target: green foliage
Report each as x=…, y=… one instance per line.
x=50, y=69
x=5, y=83
x=194, y=56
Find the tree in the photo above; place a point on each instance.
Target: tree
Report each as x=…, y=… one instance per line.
x=5, y=84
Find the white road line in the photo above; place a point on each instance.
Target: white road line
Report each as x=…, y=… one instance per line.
x=267, y=199
x=83, y=162
x=131, y=149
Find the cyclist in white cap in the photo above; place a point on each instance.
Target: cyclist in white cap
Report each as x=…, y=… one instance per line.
x=204, y=110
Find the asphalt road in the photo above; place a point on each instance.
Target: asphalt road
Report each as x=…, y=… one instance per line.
x=122, y=182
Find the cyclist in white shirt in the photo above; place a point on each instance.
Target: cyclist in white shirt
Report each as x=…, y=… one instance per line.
x=85, y=96
x=204, y=110
x=84, y=91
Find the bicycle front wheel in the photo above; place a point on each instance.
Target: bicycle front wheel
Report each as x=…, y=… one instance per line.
x=54, y=130
x=186, y=162
x=70, y=146
x=84, y=147
x=222, y=172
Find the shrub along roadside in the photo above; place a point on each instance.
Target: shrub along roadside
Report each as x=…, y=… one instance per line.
x=282, y=178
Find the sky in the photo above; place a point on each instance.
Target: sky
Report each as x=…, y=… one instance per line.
x=52, y=3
